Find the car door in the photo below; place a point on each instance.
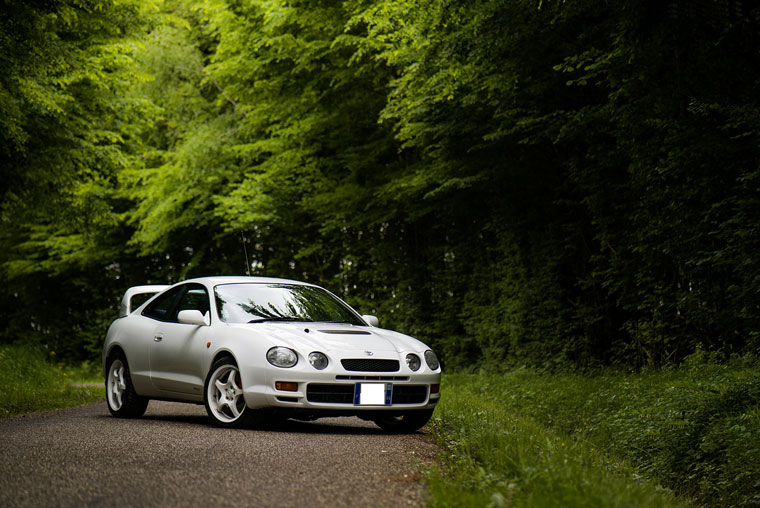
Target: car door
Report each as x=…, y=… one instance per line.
x=176, y=351
x=141, y=338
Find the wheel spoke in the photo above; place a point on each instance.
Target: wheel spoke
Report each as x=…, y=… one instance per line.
x=231, y=378
x=220, y=386
x=116, y=385
x=233, y=408
x=119, y=378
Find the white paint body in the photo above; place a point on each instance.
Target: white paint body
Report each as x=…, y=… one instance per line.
x=171, y=360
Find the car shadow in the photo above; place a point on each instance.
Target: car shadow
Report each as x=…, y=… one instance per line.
x=345, y=427
x=334, y=426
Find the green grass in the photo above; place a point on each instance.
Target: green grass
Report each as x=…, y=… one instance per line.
x=534, y=439
x=30, y=382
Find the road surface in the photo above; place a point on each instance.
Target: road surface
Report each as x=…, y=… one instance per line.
x=82, y=457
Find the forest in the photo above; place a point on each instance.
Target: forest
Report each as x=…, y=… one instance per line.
x=546, y=183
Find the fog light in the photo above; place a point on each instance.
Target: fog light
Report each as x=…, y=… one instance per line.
x=435, y=388
x=285, y=386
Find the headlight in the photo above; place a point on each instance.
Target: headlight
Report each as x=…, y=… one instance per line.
x=432, y=360
x=413, y=361
x=282, y=357
x=318, y=360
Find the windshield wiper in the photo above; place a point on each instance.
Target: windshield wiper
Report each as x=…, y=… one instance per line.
x=262, y=320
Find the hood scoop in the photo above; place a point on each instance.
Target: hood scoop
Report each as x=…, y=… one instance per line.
x=345, y=332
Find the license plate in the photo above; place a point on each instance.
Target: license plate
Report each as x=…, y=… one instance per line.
x=373, y=394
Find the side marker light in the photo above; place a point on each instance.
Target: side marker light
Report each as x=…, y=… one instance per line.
x=284, y=386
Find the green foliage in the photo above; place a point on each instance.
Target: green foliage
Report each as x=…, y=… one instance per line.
x=695, y=429
x=495, y=455
x=557, y=184
x=28, y=382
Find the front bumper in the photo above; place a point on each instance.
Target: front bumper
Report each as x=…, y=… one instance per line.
x=332, y=390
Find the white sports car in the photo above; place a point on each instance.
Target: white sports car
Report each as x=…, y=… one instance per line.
x=255, y=349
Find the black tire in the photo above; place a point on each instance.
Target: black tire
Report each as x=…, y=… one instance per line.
x=405, y=423
x=123, y=401
x=226, y=407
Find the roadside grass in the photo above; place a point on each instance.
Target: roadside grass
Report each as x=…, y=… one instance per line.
x=29, y=382
x=527, y=438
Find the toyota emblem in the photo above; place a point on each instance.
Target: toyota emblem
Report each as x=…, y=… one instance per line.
x=369, y=353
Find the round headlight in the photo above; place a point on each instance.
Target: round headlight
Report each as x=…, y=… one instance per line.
x=318, y=360
x=432, y=360
x=282, y=357
x=413, y=361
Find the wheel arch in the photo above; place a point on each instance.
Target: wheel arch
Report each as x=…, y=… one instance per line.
x=113, y=350
x=222, y=353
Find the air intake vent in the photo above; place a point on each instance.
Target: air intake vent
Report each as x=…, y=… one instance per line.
x=405, y=394
x=345, y=332
x=334, y=394
x=370, y=365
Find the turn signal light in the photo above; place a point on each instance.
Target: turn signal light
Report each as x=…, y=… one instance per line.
x=435, y=388
x=286, y=387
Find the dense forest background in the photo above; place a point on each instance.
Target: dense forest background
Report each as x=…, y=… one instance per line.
x=540, y=182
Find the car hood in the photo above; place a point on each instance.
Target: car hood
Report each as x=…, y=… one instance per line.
x=328, y=337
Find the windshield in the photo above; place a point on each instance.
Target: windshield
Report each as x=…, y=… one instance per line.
x=254, y=303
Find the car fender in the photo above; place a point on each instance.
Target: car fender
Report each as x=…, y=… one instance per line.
x=247, y=347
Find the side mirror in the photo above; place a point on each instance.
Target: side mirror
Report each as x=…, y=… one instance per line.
x=371, y=320
x=192, y=317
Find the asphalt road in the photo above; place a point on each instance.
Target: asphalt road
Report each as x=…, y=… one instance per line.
x=172, y=457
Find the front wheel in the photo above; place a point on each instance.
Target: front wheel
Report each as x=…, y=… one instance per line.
x=123, y=401
x=405, y=423
x=223, y=395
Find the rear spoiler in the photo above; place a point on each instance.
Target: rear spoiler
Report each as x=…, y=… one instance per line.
x=127, y=305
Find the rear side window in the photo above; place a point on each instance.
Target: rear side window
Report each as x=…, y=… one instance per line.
x=139, y=299
x=161, y=306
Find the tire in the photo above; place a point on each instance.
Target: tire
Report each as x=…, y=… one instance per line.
x=123, y=401
x=406, y=423
x=223, y=396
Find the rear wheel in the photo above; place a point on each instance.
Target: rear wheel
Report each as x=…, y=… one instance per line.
x=223, y=396
x=408, y=422
x=123, y=401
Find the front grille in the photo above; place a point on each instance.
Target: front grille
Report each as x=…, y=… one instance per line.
x=370, y=365
x=409, y=394
x=355, y=377
x=344, y=394
x=335, y=394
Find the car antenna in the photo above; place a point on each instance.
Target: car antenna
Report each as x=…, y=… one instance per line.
x=245, y=251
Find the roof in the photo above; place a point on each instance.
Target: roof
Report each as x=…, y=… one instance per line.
x=126, y=301
x=242, y=279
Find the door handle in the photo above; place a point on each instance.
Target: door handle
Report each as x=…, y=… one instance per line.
x=158, y=338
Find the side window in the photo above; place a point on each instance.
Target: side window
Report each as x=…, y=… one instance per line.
x=161, y=306
x=196, y=298
x=139, y=299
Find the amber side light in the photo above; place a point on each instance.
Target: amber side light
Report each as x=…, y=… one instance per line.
x=284, y=386
x=435, y=388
